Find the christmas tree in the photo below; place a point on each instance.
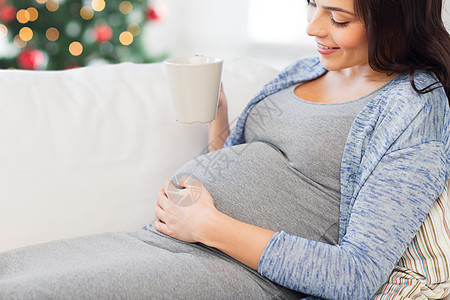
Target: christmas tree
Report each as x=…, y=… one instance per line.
x=61, y=34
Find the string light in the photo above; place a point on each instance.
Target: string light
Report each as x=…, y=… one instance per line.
x=52, y=5
x=52, y=34
x=87, y=12
x=23, y=16
x=126, y=38
x=98, y=5
x=75, y=48
x=82, y=40
x=3, y=31
x=33, y=13
x=26, y=34
x=125, y=7
x=19, y=42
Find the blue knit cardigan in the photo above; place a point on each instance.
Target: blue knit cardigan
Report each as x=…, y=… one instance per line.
x=395, y=164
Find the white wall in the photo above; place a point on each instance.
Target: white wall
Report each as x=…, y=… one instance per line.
x=209, y=27
x=214, y=28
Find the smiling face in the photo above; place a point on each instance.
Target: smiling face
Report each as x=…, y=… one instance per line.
x=340, y=35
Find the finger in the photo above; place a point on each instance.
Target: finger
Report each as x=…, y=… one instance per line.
x=162, y=199
x=189, y=181
x=161, y=227
x=160, y=213
x=193, y=185
x=169, y=187
x=174, y=194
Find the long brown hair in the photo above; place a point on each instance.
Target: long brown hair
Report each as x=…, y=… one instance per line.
x=405, y=36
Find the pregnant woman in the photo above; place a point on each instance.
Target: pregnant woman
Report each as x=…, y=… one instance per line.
x=318, y=190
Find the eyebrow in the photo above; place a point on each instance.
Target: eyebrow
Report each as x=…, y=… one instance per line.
x=339, y=9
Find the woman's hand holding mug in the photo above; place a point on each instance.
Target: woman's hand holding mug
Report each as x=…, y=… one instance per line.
x=219, y=128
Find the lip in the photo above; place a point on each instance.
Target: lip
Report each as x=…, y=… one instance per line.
x=326, y=50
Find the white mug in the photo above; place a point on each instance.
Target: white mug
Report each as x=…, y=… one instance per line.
x=194, y=84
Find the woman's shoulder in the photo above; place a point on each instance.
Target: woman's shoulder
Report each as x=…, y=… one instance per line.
x=400, y=94
x=410, y=116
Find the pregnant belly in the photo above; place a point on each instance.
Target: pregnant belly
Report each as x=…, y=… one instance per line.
x=253, y=183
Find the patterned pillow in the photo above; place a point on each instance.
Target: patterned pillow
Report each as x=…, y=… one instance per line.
x=423, y=272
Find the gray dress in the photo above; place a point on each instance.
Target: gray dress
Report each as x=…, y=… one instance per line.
x=285, y=177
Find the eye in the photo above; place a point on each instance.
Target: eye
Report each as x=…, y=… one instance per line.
x=339, y=24
x=310, y=3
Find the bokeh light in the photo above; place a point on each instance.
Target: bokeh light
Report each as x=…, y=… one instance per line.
x=3, y=31
x=73, y=29
x=126, y=38
x=26, y=34
x=87, y=12
x=33, y=13
x=23, y=16
x=19, y=42
x=125, y=7
x=52, y=5
x=75, y=48
x=52, y=34
x=98, y=5
x=69, y=28
x=134, y=28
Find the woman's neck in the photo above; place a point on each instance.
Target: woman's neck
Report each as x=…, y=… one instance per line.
x=362, y=74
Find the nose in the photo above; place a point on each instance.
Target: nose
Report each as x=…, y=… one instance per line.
x=316, y=24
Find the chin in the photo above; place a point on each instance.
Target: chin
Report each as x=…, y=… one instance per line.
x=329, y=64
x=336, y=63
x=339, y=64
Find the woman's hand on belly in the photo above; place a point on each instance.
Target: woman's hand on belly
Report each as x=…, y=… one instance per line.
x=190, y=215
x=184, y=213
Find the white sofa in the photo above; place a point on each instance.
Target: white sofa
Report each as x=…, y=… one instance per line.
x=85, y=151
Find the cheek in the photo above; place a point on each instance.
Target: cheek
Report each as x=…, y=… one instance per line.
x=352, y=39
